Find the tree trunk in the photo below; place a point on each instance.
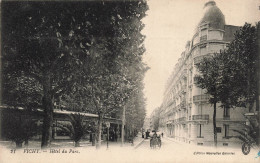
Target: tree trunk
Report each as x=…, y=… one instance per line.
x=48, y=114
x=19, y=144
x=90, y=137
x=77, y=144
x=26, y=143
x=123, y=127
x=214, y=124
x=126, y=133
x=99, y=131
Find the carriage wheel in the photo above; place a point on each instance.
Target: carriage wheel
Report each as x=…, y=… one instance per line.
x=246, y=148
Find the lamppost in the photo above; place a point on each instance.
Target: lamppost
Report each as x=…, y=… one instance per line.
x=108, y=125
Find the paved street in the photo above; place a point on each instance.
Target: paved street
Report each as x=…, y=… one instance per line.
x=166, y=144
x=175, y=151
x=171, y=151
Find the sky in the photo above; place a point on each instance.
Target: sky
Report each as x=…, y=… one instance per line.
x=169, y=24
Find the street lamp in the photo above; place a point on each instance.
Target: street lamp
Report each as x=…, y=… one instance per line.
x=108, y=125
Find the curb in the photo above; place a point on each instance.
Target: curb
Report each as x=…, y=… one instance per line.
x=138, y=144
x=174, y=141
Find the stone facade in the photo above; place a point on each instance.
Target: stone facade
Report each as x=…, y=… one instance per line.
x=185, y=113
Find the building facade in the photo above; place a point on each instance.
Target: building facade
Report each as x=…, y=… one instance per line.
x=185, y=113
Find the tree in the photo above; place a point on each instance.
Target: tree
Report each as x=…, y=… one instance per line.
x=63, y=50
x=114, y=58
x=240, y=63
x=76, y=129
x=17, y=127
x=210, y=79
x=39, y=44
x=135, y=113
x=241, y=66
x=230, y=77
x=22, y=92
x=249, y=134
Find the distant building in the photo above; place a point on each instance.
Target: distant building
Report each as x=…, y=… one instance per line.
x=154, y=119
x=186, y=114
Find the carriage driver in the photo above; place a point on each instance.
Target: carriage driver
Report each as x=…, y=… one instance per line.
x=155, y=135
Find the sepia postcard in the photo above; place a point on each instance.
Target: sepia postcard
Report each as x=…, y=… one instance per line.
x=125, y=81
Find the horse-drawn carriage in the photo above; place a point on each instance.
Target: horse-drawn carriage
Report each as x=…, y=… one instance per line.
x=155, y=140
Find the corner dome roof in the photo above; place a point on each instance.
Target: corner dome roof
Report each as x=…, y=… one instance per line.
x=213, y=16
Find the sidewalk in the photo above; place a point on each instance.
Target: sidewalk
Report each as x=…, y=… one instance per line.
x=176, y=141
x=137, y=141
x=237, y=150
x=83, y=144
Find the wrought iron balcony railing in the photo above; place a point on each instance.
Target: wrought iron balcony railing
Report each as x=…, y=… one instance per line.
x=183, y=89
x=200, y=117
x=201, y=98
x=199, y=57
x=203, y=38
x=183, y=104
x=182, y=119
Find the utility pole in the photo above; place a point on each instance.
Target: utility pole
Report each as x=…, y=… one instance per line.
x=123, y=127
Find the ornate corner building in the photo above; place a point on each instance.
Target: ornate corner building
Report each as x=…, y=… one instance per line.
x=185, y=113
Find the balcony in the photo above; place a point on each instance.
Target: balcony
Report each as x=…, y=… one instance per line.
x=203, y=38
x=197, y=59
x=178, y=107
x=182, y=119
x=169, y=122
x=204, y=117
x=184, y=73
x=201, y=98
x=183, y=104
x=170, y=104
x=183, y=89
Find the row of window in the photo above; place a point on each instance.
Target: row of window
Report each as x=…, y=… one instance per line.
x=225, y=130
x=200, y=133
